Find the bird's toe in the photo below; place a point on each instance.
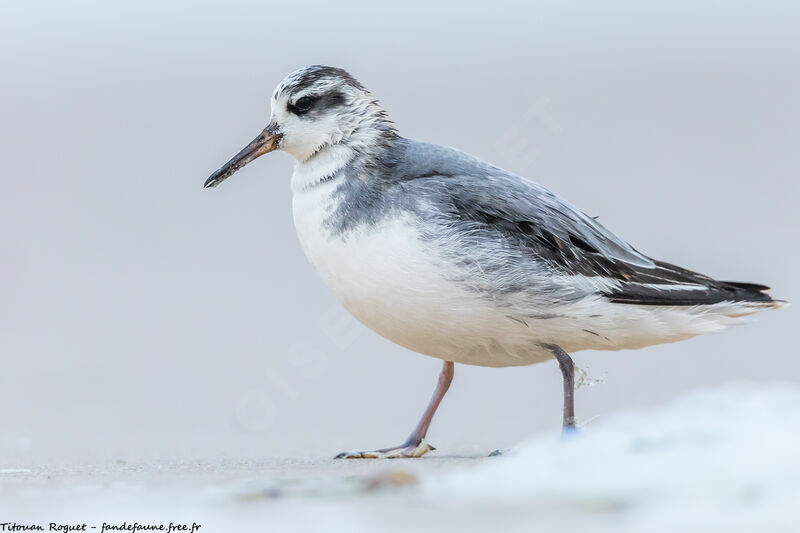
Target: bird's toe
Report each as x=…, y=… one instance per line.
x=398, y=452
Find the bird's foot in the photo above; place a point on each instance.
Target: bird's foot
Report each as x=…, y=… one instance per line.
x=405, y=450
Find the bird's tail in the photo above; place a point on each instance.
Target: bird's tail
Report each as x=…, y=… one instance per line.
x=753, y=295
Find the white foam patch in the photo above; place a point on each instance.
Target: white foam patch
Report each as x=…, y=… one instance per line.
x=726, y=459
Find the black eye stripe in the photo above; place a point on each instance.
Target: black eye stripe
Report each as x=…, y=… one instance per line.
x=321, y=102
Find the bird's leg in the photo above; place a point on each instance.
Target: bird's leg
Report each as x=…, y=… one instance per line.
x=568, y=373
x=415, y=445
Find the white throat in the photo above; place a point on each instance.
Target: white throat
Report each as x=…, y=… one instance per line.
x=321, y=167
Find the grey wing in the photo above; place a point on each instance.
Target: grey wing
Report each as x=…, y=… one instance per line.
x=491, y=205
x=537, y=223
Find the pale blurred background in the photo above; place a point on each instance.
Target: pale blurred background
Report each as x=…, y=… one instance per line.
x=143, y=317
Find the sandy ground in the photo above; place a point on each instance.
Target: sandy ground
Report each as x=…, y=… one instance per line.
x=265, y=495
x=713, y=460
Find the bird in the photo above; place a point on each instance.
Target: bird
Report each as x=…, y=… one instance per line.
x=455, y=258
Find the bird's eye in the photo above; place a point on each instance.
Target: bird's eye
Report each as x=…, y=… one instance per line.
x=303, y=104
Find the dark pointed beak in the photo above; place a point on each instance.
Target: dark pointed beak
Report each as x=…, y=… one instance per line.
x=267, y=141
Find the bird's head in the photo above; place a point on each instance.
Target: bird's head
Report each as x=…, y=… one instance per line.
x=312, y=109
